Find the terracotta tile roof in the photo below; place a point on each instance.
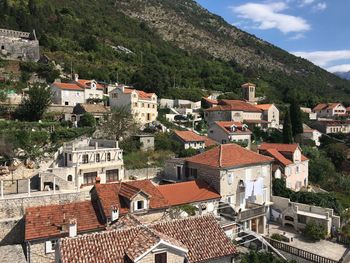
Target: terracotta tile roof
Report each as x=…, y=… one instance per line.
x=86, y=84
x=140, y=93
x=348, y=109
x=67, y=86
x=201, y=238
x=228, y=155
x=47, y=221
x=211, y=101
x=189, y=136
x=111, y=194
x=324, y=106
x=206, y=240
x=226, y=126
x=264, y=106
x=278, y=156
x=281, y=148
x=234, y=105
x=208, y=141
x=188, y=192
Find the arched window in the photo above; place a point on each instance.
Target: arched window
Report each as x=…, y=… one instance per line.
x=69, y=178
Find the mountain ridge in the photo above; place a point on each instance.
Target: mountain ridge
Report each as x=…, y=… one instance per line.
x=178, y=48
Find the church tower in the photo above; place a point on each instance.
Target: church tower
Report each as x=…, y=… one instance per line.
x=248, y=91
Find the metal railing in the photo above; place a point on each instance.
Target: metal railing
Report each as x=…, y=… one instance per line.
x=299, y=252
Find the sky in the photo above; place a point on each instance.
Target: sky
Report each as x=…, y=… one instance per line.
x=318, y=30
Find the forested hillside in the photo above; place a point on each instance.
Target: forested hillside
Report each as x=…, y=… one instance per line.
x=174, y=48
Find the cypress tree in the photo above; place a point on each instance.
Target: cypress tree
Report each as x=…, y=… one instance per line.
x=287, y=129
x=295, y=116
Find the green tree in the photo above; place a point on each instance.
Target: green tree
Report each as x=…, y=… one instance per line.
x=296, y=118
x=118, y=124
x=315, y=231
x=87, y=120
x=337, y=153
x=287, y=128
x=34, y=105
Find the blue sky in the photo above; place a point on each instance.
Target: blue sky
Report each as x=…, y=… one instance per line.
x=318, y=30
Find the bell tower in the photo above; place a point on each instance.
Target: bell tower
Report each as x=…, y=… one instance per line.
x=248, y=91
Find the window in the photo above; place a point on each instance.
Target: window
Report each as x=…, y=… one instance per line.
x=2, y=47
x=69, y=178
x=66, y=103
x=70, y=157
x=229, y=178
x=160, y=258
x=178, y=172
x=90, y=178
x=97, y=157
x=302, y=219
x=50, y=246
x=112, y=175
x=140, y=205
x=135, y=104
x=193, y=172
x=143, y=105
x=85, y=158
x=297, y=169
x=108, y=156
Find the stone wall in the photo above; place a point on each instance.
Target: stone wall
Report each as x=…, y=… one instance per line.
x=19, y=49
x=145, y=173
x=13, y=210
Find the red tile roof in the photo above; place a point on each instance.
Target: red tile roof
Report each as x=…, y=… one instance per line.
x=201, y=237
x=86, y=84
x=208, y=141
x=278, y=156
x=323, y=106
x=211, y=101
x=228, y=155
x=226, y=126
x=111, y=194
x=67, y=86
x=234, y=105
x=264, y=106
x=189, y=136
x=278, y=151
x=281, y=147
x=47, y=221
x=188, y=192
x=140, y=93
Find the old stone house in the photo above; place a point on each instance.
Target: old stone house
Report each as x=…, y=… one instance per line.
x=17, y=45
x=142, y=105
x=230, y=131
x=240, y=176
x=83, y=162
x=184, y=240
x=110, y=203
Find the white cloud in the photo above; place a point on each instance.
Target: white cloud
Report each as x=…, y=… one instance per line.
x=269, y=16
x=305, y=2
x=324, y=58
x=297, y=36
x=319, y=6
x=339, y=68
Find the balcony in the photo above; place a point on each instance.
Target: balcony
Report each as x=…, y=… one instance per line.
x=252, y=211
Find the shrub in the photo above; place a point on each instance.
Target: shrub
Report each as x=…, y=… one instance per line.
x=87, y=120
x=276, y=236
x=314, y=231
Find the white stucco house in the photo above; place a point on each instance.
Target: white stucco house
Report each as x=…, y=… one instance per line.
x=76, y=91
x=290, y=163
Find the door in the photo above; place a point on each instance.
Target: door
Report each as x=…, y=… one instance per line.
x=178, y=172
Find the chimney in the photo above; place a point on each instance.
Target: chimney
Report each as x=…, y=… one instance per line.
x=72, y=228
x=114, y=213
x=122, y=88
x=76, y=77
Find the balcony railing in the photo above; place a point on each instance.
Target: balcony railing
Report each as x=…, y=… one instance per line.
x=253, y=210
